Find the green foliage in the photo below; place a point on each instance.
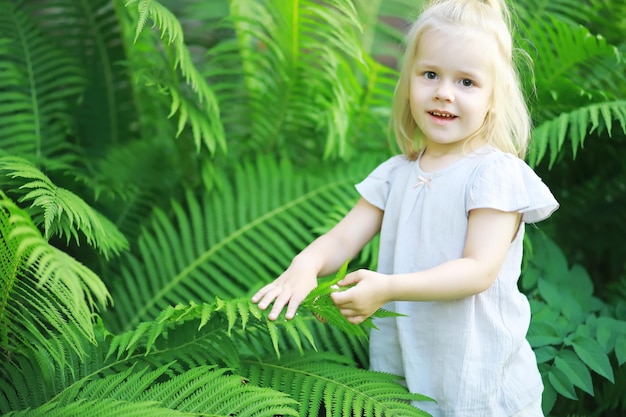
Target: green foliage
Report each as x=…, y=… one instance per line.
x=572, y=332
x=61, y=212
x=581, y=87
x=197, y=107
x=220, y=232
x=161, y=365
x=322, y=306
x=305, y=92
x=575, y=125
x=329, y=382
x=47, y=296
x=38, y=83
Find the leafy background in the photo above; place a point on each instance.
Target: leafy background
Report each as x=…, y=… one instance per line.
x=162, y=160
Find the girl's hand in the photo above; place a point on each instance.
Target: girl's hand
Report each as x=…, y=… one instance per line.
x=361, y=301
x=290, y=289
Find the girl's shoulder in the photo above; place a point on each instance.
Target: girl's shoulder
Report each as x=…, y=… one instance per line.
x=489, y=154
x=390, y=167
x=376, y=186
x=492, y=161
x=505, y=182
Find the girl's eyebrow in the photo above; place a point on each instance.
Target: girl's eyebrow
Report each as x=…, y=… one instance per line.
x=471, y=74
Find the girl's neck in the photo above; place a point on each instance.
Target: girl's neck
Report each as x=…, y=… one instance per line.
x=435, y=158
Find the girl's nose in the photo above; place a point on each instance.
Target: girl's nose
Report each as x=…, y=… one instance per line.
x=444, y=92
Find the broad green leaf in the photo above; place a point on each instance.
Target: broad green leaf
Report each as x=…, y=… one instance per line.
x=545, y=353
x=542, y=333
x=575, y=370
x=560, y=298
x=590, y=351
x=561, y=383
x=548, y=398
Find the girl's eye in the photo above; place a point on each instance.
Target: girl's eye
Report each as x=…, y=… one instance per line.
x=467, y=82
x=430, y=75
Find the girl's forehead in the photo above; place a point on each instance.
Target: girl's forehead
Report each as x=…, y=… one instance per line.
x=456, y=47
x=450, y=35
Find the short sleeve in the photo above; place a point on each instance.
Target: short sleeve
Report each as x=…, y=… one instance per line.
x=507, y=183
x=375, y=187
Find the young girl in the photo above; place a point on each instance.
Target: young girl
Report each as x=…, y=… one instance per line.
x=451, y=212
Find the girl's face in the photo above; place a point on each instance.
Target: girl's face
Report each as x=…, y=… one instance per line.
x=450, y=87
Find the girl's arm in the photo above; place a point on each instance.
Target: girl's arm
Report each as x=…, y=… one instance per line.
x=322, y=257
x=489, y=236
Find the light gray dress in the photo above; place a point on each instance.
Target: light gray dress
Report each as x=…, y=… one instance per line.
x=471, y=354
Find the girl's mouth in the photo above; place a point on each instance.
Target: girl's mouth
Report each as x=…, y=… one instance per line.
x=443, y=115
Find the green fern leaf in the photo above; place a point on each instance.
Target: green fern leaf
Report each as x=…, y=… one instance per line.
x=99, y=408
x=203, y=113
x=203, y=390
x=37, y=84
x=89, y=33
x=173, y=376
x=326, y=380
x=237, y=314
x=62, y=212
x=322, y=306
x=46, y=293
x=294, y=69
x=213, y=392
x=576, y=125
x=572, y=63
x=127, y=174
x=571, y=12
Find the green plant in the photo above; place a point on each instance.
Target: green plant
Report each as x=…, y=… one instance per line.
x=572, y=332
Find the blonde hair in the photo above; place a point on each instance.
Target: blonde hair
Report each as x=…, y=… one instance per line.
x=507, y=124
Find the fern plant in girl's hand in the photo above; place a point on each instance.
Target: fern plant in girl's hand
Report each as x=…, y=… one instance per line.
x=320, y=303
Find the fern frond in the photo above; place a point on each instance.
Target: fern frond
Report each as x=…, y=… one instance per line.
x=326, y=381
x=89, y=32
x=202, y=114
x=573, y=66
x=60, y=211
x=212, y=392
x=38, y=82
x=322, y=306
x=45, y=292
x=228, y=242
x=102, y=407
x=228, y=319
x=153, y=379
x=203, y=390
x=294, y=70
x=571, y=12
x=576, y=126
